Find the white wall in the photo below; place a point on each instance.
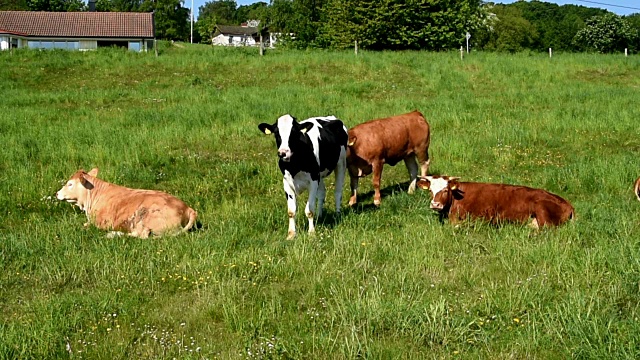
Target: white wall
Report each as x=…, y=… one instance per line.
x=4, y=42
x=235, y=40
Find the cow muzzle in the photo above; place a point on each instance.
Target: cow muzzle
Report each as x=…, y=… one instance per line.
x=60, y=196
x=284, y=155
x=436, y=206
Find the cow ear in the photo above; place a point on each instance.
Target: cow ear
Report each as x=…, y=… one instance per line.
x=423, y=183
x=93, y=172
x=454, y=183
x=306, y=127
x=266, y=128
x=86, y=181
x=352, y=140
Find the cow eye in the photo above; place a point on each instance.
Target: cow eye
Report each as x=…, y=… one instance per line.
x=70, y=184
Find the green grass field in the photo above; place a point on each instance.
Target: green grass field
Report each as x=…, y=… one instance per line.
x=380, y=283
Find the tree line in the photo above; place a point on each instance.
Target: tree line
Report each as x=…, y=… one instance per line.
x=389, y=24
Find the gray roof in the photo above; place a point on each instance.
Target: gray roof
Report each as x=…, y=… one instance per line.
x=236, y=30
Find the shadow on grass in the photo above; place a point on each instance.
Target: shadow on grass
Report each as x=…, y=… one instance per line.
x=365, y=204
x=365, y=201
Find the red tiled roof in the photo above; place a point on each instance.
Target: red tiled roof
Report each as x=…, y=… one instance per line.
x=78, y=24
x=3, y=31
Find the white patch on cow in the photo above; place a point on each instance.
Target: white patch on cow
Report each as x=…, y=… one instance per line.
x=437, y=185
x=285, y=124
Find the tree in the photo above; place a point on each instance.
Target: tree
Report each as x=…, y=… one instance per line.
x=118, y=5
x=56, y=5
x=171, y=18
x=606, y=34
x=401, y=24
x=8, y=5
x=212, y=13
x=634, y=20
x=224, y=11
x=510, y=31
x=255, y=11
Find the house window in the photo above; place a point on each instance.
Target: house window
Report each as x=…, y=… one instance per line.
x=134, y=45
x=70, y=45
x=230, y=39
x=113, y=43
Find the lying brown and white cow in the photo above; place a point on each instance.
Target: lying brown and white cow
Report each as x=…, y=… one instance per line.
x=495, y=202
x=636, y=188
x=134, y=212
x=387, y=141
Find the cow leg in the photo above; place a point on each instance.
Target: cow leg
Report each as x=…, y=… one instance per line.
x=141, y=233
x=377, y=175
x=320, y=196
x=534, y=224
x=354, y=188
x=341, y=169
x=311, y=204
x=291, y=209
x=424, y=161
x=412, y=167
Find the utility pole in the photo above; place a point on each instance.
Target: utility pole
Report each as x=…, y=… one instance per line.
x=192, y=21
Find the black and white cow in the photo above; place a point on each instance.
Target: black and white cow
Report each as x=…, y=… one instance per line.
x=309, y=151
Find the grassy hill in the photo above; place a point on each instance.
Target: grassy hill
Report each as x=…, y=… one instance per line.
x=373, y=283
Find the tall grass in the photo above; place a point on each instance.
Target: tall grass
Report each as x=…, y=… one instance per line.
x=385, y=283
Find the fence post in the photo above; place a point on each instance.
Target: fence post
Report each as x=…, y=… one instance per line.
x=550, y=52
x=626, y=53
x=461, y=53
x=261, y=45
x=356, y=46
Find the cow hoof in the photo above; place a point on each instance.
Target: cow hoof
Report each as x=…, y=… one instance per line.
x=411, y=190
x=352, y=203
x=376, y=203
x=291, y=235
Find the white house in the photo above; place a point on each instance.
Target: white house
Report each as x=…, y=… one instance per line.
x=231, y=35
x=76, y=30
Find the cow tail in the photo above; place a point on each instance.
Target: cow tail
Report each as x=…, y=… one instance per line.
x=636, y=189
x=192, y=220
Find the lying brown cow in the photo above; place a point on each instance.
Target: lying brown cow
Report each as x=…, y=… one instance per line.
x=495, y=202
x=387, y=141
x=134, y=212
x=636, y=188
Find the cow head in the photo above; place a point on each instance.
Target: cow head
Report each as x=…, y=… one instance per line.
x=77, y=187
x=288, y=133
x=443, y=190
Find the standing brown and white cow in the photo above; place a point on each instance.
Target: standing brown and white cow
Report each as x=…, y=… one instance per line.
x=495, y=202
x=388, y=141
x=636, y=188
x=134, y=212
